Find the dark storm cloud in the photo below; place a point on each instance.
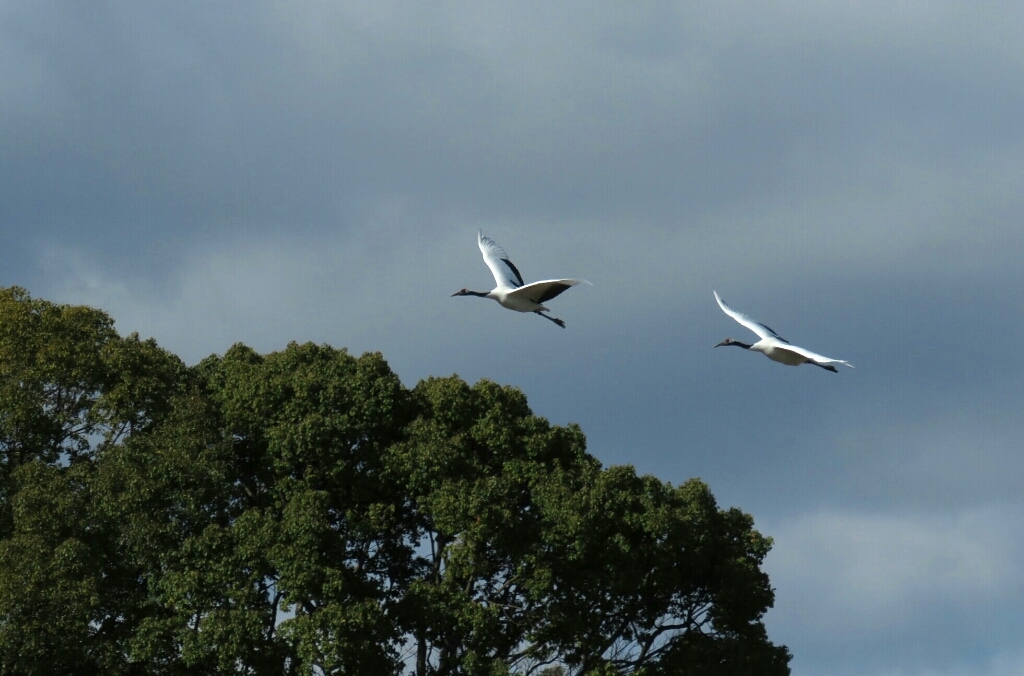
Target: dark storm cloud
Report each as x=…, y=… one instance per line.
x=257, y=116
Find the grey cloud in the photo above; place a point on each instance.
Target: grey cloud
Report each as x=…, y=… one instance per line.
x=893, y=582
x=178, y=116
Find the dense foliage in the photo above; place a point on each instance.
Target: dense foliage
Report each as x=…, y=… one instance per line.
x=303, y=512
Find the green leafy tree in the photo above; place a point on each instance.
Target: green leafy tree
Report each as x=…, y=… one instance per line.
x=534, y=555
x=69, y=387
x=69, y=382
x=48, y=590
x=651, y=578
x=270, y=537
x=472, y=462
x=302, y=512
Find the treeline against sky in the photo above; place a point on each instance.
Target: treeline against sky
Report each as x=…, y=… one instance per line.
x=303, y=512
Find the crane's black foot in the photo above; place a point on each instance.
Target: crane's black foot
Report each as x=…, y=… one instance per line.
x=553, y=319
x=827, y=367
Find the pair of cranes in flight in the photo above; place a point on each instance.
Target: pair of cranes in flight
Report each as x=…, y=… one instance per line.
x=513, y=293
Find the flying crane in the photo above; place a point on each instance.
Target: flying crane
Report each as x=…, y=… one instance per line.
x=774, y=346
x=511, y=292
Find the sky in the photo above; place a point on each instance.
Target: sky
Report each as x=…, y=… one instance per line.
x=850, y=173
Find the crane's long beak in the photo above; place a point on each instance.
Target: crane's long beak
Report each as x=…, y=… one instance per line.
x=724, y=342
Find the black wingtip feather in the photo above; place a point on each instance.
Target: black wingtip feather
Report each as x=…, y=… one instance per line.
x=515, y=271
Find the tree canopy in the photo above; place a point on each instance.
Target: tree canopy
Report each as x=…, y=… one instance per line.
x=303, y=512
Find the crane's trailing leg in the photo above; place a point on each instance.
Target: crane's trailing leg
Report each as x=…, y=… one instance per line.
x=827, y=367
x=554, y=319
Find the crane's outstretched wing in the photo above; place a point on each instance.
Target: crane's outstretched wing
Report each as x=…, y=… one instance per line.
x=755, y=326
x=545, y=290
x=816, y=358
x=505, y=274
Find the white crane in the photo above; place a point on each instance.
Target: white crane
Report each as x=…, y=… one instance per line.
x=774, y=346
x=511, y=292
